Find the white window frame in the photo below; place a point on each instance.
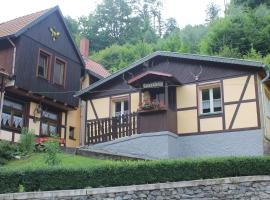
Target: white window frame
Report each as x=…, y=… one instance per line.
x=122, y=112
x=211, y=98
x=122, y=100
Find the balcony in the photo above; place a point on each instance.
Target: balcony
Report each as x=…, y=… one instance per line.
x=108, y=129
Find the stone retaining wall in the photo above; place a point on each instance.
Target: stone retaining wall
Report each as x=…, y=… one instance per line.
x=249, y=187
x=164, y=145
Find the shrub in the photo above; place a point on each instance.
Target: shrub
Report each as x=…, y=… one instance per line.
x=52, y=150
x=130, y=173
x=27, y=142
x=7, y=151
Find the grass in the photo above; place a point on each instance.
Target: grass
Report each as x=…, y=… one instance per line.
x=68, y=160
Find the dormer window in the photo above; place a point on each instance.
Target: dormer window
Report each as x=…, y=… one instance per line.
x=43, y=65
x=59, y=72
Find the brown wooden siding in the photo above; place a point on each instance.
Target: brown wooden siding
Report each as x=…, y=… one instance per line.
x=181, y=69
x=6, y=56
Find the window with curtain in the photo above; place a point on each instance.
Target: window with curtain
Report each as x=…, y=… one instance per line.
x=210, y=100
x=43, y=65
x=49, y=123
x=59, y=72
x=12, y=115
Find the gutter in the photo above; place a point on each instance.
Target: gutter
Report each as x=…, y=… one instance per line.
x=265, y=79
x=14, y=56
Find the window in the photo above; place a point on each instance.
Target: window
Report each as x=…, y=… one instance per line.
x=120, y=108
x=59, y=72
x=71, y=133
x=43, y=65
x=210, y=100
x=12, y=115
x=49, y=123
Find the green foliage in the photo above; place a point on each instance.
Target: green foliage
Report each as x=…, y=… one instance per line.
x=52, y=150
x=122, y=31
x=7, y=151
x=241, y=30
x=27, y=142
x=131, y=173
x=251, y=3
x=212, y=11
x=117, y=57
x=122, y=21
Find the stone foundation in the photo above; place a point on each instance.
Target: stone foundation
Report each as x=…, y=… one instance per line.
x=252, y=187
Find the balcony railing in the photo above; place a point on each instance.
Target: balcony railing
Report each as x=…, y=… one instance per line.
x=108, y=129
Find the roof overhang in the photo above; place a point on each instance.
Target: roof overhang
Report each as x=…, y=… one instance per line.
x=215, y=59
x=151, y=76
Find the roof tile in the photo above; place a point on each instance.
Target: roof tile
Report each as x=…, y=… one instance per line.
x=96, y=67
x=13, y=26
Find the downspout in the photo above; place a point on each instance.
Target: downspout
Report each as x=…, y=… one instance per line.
x=14, y=56
x=266, y=78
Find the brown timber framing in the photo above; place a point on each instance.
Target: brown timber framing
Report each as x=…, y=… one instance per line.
x=223, y=107
x=94, y=109
x=239, y=102
x=222, y=114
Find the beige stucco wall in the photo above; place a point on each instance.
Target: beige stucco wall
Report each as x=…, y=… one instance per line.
x=233, y=88
x=187, y=121
x=102, y=107
x=229, y=111
x=247, y=113
x=211, y=124
x=134, y=102
x=250, y=92
x=73, y=120
x=5, y=135
x=186, y=96
x=247, y=116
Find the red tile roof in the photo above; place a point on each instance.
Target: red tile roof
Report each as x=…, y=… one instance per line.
x=96, y=67
x=13, y=26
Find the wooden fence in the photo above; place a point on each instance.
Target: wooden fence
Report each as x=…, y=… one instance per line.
x=108, y=129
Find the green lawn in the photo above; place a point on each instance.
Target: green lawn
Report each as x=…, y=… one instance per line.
x=68, y=160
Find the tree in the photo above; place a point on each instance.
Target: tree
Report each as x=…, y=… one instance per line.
x=170, y=26
x=212, y=12
x=251, y=3
x=240, y=29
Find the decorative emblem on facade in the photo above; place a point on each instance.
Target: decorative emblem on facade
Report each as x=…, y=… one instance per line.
x=55, y=35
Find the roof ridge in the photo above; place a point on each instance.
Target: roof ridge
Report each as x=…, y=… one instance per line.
x=26, y=15
x=209, y=56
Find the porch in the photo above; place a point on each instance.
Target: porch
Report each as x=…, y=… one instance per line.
x=109, y=129
x=156, y=110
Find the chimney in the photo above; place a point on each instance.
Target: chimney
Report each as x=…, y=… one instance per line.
x=84, y=47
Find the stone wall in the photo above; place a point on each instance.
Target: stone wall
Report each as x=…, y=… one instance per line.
x=252, y=187
x=162, y=145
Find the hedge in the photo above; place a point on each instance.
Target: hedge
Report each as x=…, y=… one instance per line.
x=131, y=172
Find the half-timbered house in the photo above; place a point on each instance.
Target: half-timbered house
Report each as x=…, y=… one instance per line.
x=169, y=105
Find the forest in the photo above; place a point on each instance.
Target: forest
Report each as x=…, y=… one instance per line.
x=122, y=31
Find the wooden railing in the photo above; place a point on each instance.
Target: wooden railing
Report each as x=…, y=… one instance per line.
x=108, y=129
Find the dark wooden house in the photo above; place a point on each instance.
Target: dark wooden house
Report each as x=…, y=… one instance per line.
x=44, y=69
